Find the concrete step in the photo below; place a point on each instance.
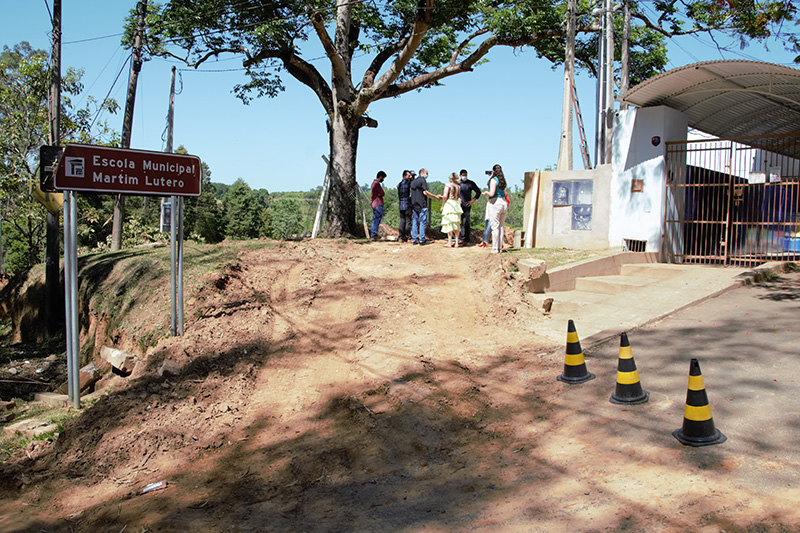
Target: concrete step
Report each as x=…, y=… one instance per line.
x=612, y=284
x=653, y=270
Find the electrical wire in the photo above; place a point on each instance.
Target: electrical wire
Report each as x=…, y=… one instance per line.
x=93, y=39
x=130, y=57
x=49, y=13
x=88, y=89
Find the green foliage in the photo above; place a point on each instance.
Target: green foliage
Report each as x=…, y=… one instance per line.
x=242, y=212
x=22, y=242
x=286, y=218
x=24, y=127
x=516, y=205
x=203, y=215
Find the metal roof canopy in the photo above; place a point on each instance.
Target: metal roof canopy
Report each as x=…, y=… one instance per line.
x=729, y=99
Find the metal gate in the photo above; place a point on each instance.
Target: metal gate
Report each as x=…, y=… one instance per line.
x=732, y=201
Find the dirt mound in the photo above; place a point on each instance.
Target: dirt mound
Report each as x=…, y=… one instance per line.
x=364, y=336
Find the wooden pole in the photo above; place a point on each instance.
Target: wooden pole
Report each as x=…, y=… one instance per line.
x=52, y=298
x=626, y=51
x=321, y=205
x=127, y=123
x=363, y=213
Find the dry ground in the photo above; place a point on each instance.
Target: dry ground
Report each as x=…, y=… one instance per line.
x=331, y=386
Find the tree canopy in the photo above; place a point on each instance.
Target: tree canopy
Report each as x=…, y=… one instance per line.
x=408, y=45
x=24, y=127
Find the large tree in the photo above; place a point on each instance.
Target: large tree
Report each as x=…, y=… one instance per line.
x=411, y=45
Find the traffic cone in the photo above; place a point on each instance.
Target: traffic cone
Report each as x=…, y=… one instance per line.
x=574, y=365
x=698, y=424
x=629, y=390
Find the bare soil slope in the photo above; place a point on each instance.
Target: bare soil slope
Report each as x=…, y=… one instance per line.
x=330, y=386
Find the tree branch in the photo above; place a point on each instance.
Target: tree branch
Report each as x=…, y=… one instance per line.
x=464, y=44
x=421, y=25
x=212, y=53
x=465, y=65
x=301, y=70
x=337, y=61
x=657, y=27
x=441, y=73
x=382, y=57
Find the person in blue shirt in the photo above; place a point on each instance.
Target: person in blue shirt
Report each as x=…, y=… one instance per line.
x=404, y=204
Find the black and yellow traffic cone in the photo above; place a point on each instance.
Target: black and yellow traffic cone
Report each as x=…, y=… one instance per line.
x=698, y=424
x=629, y=390
x=574, y=365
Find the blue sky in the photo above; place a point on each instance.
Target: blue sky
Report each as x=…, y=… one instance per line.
x=507, y=111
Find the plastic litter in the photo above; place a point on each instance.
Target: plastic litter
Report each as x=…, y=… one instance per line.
x=158, y=485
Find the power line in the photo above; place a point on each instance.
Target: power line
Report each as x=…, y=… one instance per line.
x=93, y=38
x=49, y=13
x=86, y=92
x=109, y=91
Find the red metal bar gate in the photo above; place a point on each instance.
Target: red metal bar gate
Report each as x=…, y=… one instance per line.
x=732, y=201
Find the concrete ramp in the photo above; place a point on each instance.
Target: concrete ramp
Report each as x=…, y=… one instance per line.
x=604, y=306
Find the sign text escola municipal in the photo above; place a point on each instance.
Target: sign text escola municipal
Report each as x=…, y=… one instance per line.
x=115, y=170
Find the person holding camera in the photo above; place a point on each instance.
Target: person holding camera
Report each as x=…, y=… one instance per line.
x=497, y=207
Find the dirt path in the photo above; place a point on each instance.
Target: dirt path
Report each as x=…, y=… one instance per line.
x=331, y=386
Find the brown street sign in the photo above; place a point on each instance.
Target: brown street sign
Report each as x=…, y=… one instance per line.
x=86, y=167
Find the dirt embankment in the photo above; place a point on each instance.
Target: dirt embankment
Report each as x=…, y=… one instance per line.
x=327, y=357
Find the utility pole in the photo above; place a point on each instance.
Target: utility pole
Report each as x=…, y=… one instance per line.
x=609, y=80
x=52, y=250
x=605, y=84
x=175, y=230
x=565, y=149
x=127, y=122
x=626, y=50
x=601, y=86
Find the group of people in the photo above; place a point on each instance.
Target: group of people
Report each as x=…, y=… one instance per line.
x=459, y=194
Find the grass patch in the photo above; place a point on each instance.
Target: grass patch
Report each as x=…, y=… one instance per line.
x=5, y=329
x=28, y=411
x=553, y=257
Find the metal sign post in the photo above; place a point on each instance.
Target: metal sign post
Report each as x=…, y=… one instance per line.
x=71, y=296
x=176, y=265
x=112, y=170
x=179, y=282
x=173, y=252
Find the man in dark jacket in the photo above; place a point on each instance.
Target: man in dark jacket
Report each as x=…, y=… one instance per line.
x=419, y=206
x=467, y=187
x=404, y=203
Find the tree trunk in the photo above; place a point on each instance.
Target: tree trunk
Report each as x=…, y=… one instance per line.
x=341, y=199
